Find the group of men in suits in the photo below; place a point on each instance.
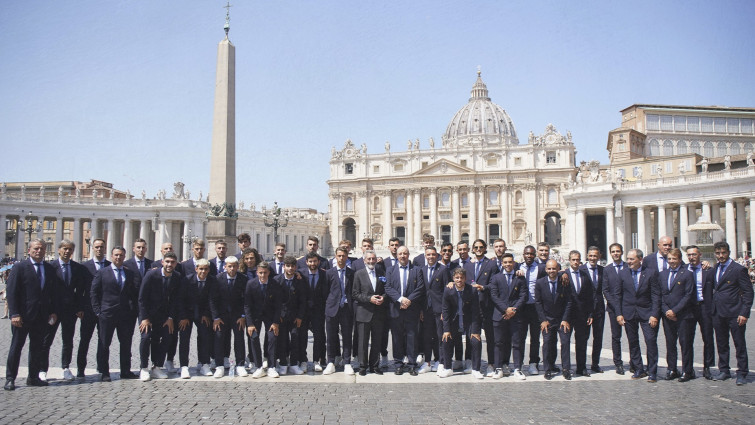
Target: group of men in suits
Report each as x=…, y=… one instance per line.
x=430, y=307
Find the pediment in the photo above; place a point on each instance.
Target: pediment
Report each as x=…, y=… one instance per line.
x=443, y=167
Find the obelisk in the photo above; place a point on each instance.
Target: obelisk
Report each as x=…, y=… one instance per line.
x=222, y=215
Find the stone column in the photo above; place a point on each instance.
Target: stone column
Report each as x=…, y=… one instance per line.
x=58, y=232
x=159, y=239
x=741, y=227
x=670, y=223
x=731, y=229
x=662, y=231
x=409, y=203
x=110, y=241
x=715, y=212
x=504, y=197
x=705, y=211
x=482, y=216
x=472, y=202
x=691, y=219
x=579, y=230
x=621, y=232
x=144, y=230
x=5, y=227
x=610, y=228
x=455, y=215
x=364, y=215
x=417, y=217
x=641, y=235
x=186, y=251
x=128, y=236
x=752, y=226
x=335, y=220
x=77, y=239
x=683, y=233
x=434, y=213
x=387, y=217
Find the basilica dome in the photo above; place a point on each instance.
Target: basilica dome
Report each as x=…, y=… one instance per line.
x=480, y=121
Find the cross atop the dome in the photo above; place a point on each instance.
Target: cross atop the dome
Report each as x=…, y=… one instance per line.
x=479, y=70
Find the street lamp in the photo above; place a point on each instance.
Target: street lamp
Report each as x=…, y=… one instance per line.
x=188, y=238
x=276, y=221
x=30, y=228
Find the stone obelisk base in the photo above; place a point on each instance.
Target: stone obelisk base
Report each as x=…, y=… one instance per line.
x=221, y=228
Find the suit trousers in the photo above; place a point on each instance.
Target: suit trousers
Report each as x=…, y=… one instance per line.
x=288, y=343
x=474, y=347
x=651, y=342
x=581, y=331
x=507, y=340
x=683, y=331
x=487, y=327
x=154, y=342
x=255, y=351
x=343, y=323
x=67, y=324
x=616, y=331
x=404, y=331
x=370, y=332
x=170, y=353
x=430, y=336
x=223, y=342
x=303, y=341
x=724, y=326
x=549, y=347
x=531, y=322
x=705, y=321
x=36, y=332
x=125, y=326
x=385, y=339
x=87, y=326
x=598, y=324
x=204, y=342
x=317, y=326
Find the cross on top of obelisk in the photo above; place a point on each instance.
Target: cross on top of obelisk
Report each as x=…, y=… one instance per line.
x=227, y=26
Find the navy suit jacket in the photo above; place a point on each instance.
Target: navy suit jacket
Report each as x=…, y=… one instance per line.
x=502, y=296
x=259, y=305
x=583, y=302
x=419, y=260
x=414, y=292
x=71, y=296
x=293, y=299
x=301, y=263
x=109, y=301
x=91, y=268
x=554, y=311
x=196, y=300
x=190, y=268
x=707, y=288
x=333, y=301
x=315, y=297
x=434, y=287
x=681, y=296
x=156, y=303
x=131, y=264
x=642, y=303
x=470, y=310
x=158, y=264
x=599, y=306
x=612, y=286
x=364, y=310
x=25, y=295
x=228, y=302
x=733, y=294
x=487, y=270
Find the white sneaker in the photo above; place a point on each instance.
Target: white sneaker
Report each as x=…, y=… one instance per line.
x=295, y=370
x=467, y=366
x=219, y=372
x=282, y=370
x=318, y=367
x=518, y=374
x=241, y=371
x=204, y=370
x=477, y=375
x=272, y=373
x=226, y=362
x=533, y=369
x=185, y=372
x=144, y=375
x=158, y=373
x=347, y=369
x=264, y=364
x=420, y=359
x=435, y=367
x=424, y=368
x=445, y=373
x=67, y=375
x=490, y=371
x=457, y=364
x=441, y=369
x=304, y=366
x=259, y=373
x=329, y=369
x=339, y=361
x=169, y=366
x=498, y=374
x=43, y=376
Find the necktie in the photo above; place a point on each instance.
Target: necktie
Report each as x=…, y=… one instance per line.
x=165, y=285
x=201, y=285
x=721, y=269
x=477, y=270
x=460, y=311
x=120, y=278
x=312, y=281
x=553, y=290
x=141, y=267
x=264, y=290
x=39, y=275
x=671, y=277
x=343, y=287
x=595, y=277
x=66, y=275
x=577, y=283
x=430, y=273
x=99, y=264
x=288, y=283
x=230, y=283
x=403, y=279
x=635, y=277
x=500, y=268
x=619, y=266
x=221, y=267
x=280, y=268
x=665, y=264
x=529, y=268
x=698, y=283
x=373, y=280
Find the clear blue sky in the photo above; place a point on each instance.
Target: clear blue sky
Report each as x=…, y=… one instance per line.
x=122, y=91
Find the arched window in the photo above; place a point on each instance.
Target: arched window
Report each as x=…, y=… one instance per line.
x=445, y=199
x=655, y=148
x=708, y=149
x=552, y=197
x=376, y=204
x=668, y=148
x=734, y=148
x=518, y=197
x=681, y=147
x=349, y=204
x=553, y=228
x=721, y=149
x=399, y=201
x=464, y=200
x=426, y=202
x=493, y=197
x=748, y=147
x=694, y=147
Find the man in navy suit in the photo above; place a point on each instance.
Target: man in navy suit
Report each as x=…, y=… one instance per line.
x=446, y=252
x=90, y=321
x=160, y=309
x=531, y=271
x=658, y=260
x=32, y=297
x=278, y=258
x=732, y=301
x=317, y=292
x=221, y=253
x=405, y=290
x=245, y=241
x=435, y=277
x=262, y=308
x=227, y=304
x=639, y=303
x=428, y=241
x=461, y=319
x=71, y=275
x=197, y=250
x=595, y=272
x=702, y=308
x=114, y=300
x=313, y=244
x=553, y=301
x=508, y=294
x=368, y=293
x=293, y=310
x=339, y=315
x=199, y=288
x=543, y=253
x=139, y=262
x=479, y=272
x=583, y=303
x=611, y=286
x=462, y=248
x=165, y=248
x=499, y=248
x=358, y=264
x=677, y=294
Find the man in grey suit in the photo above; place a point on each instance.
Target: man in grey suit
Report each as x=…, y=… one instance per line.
x=370, y=311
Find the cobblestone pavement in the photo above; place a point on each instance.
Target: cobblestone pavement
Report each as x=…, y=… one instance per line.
x=426, y=399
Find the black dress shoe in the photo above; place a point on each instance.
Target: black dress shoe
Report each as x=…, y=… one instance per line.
x=35, y=382
x=413, y=371
x=362, y=371
x=105, y=378
x=556, y=369
x=549, y=375
x=129, y=375
x=619, y=369
x=686, y=377
x=639, y=374
x=583, y=373
x=652, y=379
x=741, y=380
x=376, y=370
x=671, y=375
x=631, y=369
x=722, y=376
x=597, y=369
x=399, y=370
x=80, y=374
x=567, y=375
x=706, y=373
x=10, y=384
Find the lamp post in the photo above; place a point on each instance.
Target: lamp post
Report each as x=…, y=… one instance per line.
x=189, y=238
x=276, y=221
x=30, y=229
